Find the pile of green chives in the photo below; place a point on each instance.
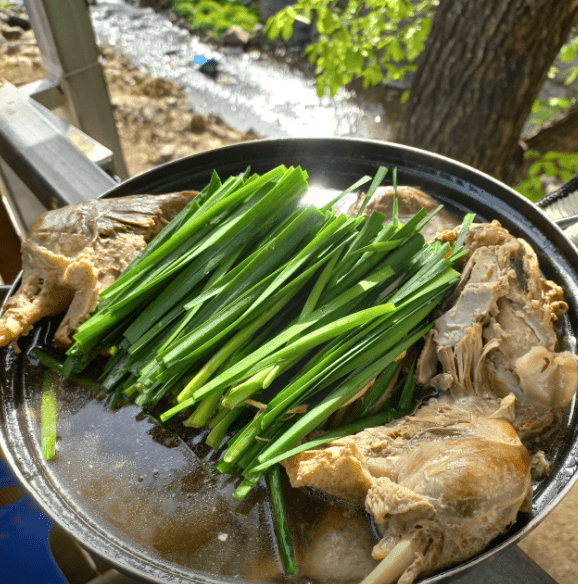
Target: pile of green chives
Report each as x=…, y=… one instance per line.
x=261, y=319
x=247, y=299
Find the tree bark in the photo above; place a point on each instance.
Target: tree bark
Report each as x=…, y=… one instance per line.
x=559, y=133
x=482, y=69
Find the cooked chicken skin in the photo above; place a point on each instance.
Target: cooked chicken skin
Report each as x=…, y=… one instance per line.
x=497, y=335
x=71, y=254
x=453, y=477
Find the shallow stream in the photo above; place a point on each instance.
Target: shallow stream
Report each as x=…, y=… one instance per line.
x=252, y=90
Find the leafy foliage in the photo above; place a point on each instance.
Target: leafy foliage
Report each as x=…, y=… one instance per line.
x=553, y=164
x=544, y=109
x=567, y=55
x=216, y=15
x=373, y=40
x=562, y=165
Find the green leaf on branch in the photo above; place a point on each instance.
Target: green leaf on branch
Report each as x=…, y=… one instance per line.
x=373, y=40
x=320, y=86
x=216, y=15
x=273, y=28
x=372, y=75
x=395, y=51
x=568, y=53
x=529, y=154
x=287, y=30
x=561, y=165
x=550, y=169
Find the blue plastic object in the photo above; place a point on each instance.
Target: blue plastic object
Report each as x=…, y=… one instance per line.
x=25, y=556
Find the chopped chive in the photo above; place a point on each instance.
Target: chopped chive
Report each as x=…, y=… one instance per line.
x=378, y=179
x=48, y=417
x=247, y=297
x=406, y=396
x=283, y=536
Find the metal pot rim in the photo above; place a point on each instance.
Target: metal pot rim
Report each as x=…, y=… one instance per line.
x=332, y=161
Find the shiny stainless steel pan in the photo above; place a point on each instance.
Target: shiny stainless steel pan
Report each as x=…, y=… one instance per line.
x=122, y=487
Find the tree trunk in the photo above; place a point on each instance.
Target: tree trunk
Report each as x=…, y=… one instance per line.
x=482, y=69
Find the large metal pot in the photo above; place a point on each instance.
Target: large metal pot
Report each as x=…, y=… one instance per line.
x=95, y=443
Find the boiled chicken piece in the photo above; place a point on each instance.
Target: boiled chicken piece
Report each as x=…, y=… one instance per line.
x=497, y=333
x=444, y=482
x=410, y=201
x=72, y=254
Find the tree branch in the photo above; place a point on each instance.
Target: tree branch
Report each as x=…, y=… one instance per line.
x=559, y=133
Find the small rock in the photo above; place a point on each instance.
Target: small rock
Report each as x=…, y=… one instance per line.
x=184, y=105
x=31, y=52
x=148, y=112
x=24, y=62
x=184, y=150
x=235, y=36
x=198, y=124
x=11, y=33
x=210, y=68
x=182, y=23
x=181, y=122
x=25, y=48
x=127, y=63
x=259, y=30
x=224, y=132
x=19, y=21
x=167, y=152
x=107, y=51
x=28, y=35
x=215, y=119
x=11, y=48
x=160, y=88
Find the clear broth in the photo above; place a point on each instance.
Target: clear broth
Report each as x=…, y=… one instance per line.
x=161, y=492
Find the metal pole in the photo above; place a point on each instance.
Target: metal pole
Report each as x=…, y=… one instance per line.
x=65, y=37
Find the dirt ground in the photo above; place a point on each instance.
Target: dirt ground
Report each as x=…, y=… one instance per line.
x=155, y=120
x=554, y=543
x=157, y=123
